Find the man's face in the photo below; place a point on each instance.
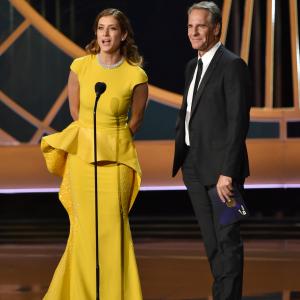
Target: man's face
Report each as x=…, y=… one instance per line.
x=203, y=34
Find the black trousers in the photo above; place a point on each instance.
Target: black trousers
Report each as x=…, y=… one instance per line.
x=223, y=245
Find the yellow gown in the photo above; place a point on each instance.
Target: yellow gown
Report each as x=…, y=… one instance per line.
x=69, y=154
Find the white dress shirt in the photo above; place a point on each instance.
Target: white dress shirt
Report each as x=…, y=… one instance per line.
x=206, y=59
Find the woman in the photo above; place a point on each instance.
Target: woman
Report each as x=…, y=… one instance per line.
x=113, y=59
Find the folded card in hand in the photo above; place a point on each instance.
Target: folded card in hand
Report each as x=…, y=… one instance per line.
x=230, y=211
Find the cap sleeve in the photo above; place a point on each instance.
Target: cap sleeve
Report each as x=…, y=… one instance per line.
x=140, y=77
x=76, y=65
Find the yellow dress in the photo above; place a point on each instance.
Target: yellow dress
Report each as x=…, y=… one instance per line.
x=69, y=154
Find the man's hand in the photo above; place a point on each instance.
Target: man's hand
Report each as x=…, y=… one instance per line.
x=224, y=188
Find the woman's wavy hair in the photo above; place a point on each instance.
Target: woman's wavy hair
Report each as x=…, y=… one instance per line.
x=128, y=47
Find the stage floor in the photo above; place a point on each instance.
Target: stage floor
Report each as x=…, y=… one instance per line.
x=169, y=269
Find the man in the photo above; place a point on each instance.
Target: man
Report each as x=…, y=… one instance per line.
x=210, y=141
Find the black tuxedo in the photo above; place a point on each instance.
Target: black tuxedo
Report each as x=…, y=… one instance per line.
x=218, y=127
x=219, y=119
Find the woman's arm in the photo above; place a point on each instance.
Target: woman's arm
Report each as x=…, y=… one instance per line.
x=139, y=100
x=73, y=94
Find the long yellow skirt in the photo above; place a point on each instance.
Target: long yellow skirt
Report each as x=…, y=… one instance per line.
x=75, y=278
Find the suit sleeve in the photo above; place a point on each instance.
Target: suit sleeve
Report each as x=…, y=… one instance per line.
x=182, y=110
x=237, y=90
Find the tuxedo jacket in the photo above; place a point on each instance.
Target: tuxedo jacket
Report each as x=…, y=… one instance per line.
x=219, y=120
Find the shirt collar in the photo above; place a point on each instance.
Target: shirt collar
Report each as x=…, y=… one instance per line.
x=207, y=56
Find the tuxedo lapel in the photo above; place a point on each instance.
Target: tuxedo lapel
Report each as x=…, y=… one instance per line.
x=207, y=76
x=189, y=78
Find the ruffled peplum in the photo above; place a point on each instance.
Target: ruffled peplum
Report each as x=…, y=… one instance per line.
x=113, y=144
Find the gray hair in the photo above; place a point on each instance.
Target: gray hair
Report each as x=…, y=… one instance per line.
x=212, y=7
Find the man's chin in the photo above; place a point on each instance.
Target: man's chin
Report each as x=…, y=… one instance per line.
x=199, y=47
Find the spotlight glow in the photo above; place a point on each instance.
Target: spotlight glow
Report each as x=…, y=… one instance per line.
x=151, y=188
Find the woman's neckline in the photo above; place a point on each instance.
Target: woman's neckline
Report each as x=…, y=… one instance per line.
x=109, y=66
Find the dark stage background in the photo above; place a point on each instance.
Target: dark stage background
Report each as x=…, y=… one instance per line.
x=161, y=34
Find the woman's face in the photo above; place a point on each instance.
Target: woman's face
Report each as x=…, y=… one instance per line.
x=109, y=34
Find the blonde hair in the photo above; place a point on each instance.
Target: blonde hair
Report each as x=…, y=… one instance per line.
x=128, y=47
